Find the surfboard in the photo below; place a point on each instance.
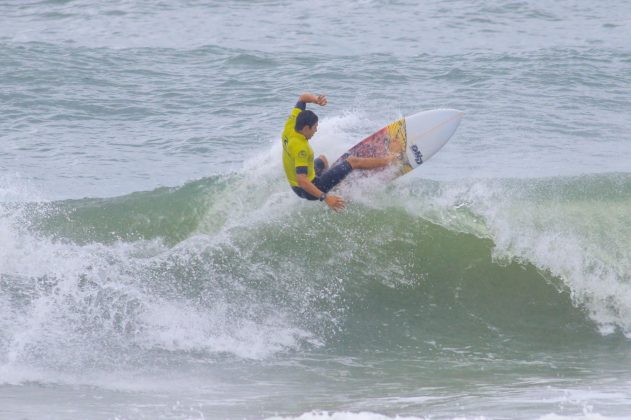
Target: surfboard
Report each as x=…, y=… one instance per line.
x=415, y=139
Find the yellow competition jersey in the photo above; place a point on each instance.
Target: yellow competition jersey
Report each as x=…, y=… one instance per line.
x=296, y=150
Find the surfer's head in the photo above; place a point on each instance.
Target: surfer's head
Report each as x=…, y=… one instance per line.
x=307, y=123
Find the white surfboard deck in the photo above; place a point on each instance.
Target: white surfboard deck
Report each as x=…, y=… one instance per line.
x=428, y=131
x=415, y=138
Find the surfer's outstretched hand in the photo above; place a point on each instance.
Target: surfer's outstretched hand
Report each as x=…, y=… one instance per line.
x=335, y=202
x=321, y=100
x=313, y=99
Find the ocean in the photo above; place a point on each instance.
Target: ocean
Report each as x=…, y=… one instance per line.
x=154, y=263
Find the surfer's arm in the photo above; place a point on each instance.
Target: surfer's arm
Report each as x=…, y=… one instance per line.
x=334, y=201
x=308, y=186
x=310, y=98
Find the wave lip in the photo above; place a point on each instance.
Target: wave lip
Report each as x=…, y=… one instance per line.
x=572, y=231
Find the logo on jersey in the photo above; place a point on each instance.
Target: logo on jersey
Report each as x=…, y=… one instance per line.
x=418, y=156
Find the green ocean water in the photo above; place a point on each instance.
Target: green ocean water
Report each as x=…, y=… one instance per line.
x=154, y=264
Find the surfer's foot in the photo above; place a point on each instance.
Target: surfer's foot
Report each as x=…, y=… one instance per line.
x=371, y=163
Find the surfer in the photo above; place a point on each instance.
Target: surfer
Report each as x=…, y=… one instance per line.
x=311, y=178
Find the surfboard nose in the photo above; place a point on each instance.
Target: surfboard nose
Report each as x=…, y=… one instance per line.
x=428, y=131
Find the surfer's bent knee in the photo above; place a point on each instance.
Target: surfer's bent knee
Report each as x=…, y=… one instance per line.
x=320, y=165
x=324, y=160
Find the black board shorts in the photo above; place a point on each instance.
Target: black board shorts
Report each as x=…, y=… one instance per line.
x=325, y=180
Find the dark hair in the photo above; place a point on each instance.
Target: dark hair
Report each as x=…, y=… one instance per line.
x=306, y=117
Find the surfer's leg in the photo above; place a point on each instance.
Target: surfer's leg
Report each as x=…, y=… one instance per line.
x=370, y=163
x=333, y=176
x=324, y=183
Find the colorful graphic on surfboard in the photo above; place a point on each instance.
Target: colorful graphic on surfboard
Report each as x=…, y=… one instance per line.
x=415, y=139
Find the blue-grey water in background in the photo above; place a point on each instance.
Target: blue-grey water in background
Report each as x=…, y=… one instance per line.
x=154, y=264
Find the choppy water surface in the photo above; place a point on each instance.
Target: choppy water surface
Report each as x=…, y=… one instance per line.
x=154, y=264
